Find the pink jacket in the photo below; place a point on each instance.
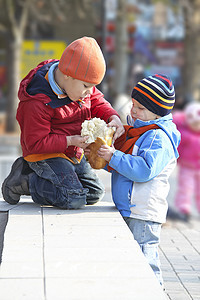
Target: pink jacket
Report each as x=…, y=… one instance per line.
x=189, y=148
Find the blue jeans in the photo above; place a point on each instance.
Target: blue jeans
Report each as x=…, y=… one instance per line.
x=58, y=182
x=147, y=234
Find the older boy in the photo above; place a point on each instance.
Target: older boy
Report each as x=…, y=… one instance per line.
x=55, y=98
x=141, y=166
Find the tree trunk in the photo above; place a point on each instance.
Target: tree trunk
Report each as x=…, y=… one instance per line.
x=191, y=81
x=13, y=64
x=121, y=46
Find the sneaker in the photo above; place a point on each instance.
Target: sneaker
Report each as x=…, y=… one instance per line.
x=16, y=184
x=173, y=214
x=177, y=216
x=186, y=217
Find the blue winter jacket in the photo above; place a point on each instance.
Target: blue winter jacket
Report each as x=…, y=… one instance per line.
x=140, y=181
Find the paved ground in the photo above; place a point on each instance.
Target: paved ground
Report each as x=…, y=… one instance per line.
x=49, y=253
x=180, y=258
x=87, y=254
x=179, y=251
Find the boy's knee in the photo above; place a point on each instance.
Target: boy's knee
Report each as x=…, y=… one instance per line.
x=75, y=203
x=75, y=199
x=62, y=198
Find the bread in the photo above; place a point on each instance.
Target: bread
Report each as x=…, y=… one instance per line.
x=99, y=134
x=95, y=161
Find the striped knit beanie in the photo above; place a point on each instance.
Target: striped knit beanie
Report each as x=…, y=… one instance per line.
x=83, y=60
x=156, y=93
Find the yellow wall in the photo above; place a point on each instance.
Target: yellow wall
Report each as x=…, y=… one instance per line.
x=34, y=52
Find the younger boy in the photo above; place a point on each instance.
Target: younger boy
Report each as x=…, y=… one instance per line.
x=141, y=166
x=55, y=98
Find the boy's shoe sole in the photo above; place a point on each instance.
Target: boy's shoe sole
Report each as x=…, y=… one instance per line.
x=15, y=172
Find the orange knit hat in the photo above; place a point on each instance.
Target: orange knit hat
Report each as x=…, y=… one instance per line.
x=83, y=60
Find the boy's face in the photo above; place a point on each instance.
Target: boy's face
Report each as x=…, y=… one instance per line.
x=138, y=111
x=76, y=89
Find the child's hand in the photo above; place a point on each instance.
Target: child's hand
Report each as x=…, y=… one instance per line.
x=114, y=121
x=106, y=152
x=86, y=151
x=77, y=140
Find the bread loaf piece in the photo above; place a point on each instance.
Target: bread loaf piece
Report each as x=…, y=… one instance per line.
x=99, y=134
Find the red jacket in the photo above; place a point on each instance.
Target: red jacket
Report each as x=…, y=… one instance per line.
x=45, y=120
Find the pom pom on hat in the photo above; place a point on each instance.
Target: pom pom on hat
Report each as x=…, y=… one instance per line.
x=156, y=93
x=83, y=60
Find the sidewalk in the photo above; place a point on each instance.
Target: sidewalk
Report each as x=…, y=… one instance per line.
x=180, y=253
x=90, y=254
x=179, y=250
x=87, y=254
x=180, y=259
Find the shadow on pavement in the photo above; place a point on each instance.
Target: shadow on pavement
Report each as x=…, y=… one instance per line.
x=3, y=223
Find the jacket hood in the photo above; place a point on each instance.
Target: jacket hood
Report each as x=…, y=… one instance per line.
x=35, y=83
x=167, y=125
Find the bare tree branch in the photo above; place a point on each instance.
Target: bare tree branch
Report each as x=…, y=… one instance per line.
x=24, y=15
x=82, y=7
x=37, y=11
x=11, y=16
x=58, y=7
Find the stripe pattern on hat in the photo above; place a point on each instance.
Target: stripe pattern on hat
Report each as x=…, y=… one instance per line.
x=156, y=93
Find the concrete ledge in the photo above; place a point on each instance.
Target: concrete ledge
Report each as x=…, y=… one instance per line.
x=87, y=254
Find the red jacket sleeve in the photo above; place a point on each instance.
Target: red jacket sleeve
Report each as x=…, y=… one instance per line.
x=35, y=124
x=100, y=107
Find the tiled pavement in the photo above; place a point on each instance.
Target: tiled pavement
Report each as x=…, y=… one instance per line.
x=179, y=251
x=180, y=258
x=52, y=254
x=87, y=254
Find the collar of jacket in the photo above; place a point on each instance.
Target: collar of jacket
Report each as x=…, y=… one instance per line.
x=51, y=79
x=61, y=98
x=140, y=123
x=38, y=84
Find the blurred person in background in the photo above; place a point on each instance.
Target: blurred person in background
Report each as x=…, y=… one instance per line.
x=55, y=98
x=188, y=180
